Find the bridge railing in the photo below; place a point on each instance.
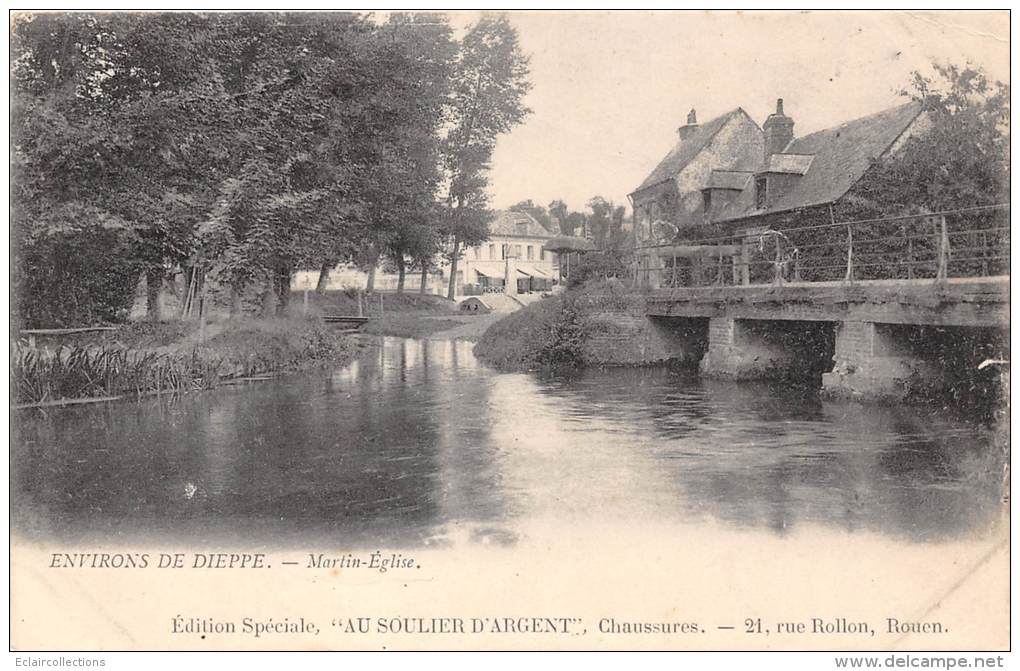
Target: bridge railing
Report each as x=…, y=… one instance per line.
x=971, y=242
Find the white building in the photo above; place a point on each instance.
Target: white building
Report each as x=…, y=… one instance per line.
x=514, y=244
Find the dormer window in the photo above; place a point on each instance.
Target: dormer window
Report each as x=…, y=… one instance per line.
x=760, y=192
x=522, y=228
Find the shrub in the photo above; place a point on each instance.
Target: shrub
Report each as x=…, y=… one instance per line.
x=78, y=277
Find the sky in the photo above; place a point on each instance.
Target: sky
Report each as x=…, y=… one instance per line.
x=610, y=88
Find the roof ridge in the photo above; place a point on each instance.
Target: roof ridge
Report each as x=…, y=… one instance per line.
x=866, y=117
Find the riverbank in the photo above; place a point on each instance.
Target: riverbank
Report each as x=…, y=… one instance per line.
x=405, y=315
x=155, y=357
x=151, y=358
x=601, y=324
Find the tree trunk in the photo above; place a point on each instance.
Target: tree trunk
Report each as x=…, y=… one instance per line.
x=153, y=284
x=370, y=284
x=422, y=289
x=401, y=272
x=320, y=286
x=282, y=291
x=236, y=306
x=187, y=270
x=452, y=290
x=269, y=297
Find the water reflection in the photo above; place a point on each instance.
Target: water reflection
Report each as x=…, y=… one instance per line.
x=417, y=444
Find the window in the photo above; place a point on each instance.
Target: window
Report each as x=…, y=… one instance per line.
x=522, y=228
x=760, y=192
x=492, y=252
x=707, y=195
x=504, y=251
x=541, y=254
x=531, y=252
x=517, y=251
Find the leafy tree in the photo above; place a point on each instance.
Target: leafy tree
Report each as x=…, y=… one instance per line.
x=575, y=224
x=489, y=82
x=960, y=159
x=558, y=211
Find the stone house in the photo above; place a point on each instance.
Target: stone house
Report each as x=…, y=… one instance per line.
x=773, y=180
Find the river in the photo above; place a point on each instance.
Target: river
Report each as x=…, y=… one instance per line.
x=417, y=444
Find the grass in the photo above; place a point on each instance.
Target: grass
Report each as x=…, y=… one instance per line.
x=156, y=358
x=409, y=325
x=556, y=330
x=345, y=302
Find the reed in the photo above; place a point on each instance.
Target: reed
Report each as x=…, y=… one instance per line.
x=84, y=371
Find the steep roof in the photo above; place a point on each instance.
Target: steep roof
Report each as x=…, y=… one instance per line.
x=511, y=223
x=840, y=157
x=684, y=152
x=733, y=180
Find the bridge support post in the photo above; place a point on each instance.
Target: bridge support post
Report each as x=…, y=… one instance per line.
x=871, y=362
x=740, y=349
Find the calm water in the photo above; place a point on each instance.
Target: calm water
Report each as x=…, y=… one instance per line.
x=417, y=443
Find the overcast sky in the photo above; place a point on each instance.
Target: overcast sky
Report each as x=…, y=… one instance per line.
x=610, y=88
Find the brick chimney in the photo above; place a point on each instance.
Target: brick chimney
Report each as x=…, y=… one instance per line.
x=778, y=131
x=692, y=124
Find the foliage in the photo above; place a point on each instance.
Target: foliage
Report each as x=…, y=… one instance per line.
x=599, y=266
x=556, y=331
x=74, y=276
x=489, y=82
x=246, y=144
x=961, y=159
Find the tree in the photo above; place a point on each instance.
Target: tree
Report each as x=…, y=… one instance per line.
x=558, y=212
x=961, y=159
x=575, y=224
x=107, y=122
x=490, y=80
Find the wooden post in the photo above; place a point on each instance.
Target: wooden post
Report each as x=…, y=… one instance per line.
x=849, y=254
x=201, y=311
x=910, y=256
x=777, y=263
x=745, y=262
x=943, y=268
x=360, y=311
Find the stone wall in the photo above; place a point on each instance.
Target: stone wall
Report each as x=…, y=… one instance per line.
x=619, y=339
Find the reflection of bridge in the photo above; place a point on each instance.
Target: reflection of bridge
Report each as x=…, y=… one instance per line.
x=887, y=302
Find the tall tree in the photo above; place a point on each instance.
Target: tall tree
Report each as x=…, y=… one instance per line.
x=490, y=80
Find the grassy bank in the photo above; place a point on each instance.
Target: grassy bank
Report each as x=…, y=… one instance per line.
x=408, y=315
x=146, y=358
x=568, y=329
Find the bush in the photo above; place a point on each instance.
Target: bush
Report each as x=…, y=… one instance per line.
x=80, y=277
x=595, y=266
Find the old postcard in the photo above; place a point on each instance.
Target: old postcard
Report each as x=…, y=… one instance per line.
x=575, y=330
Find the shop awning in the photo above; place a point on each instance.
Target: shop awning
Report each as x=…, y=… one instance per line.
x=534, y=271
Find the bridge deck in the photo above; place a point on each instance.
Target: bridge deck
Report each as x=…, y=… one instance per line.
x=982, y=301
